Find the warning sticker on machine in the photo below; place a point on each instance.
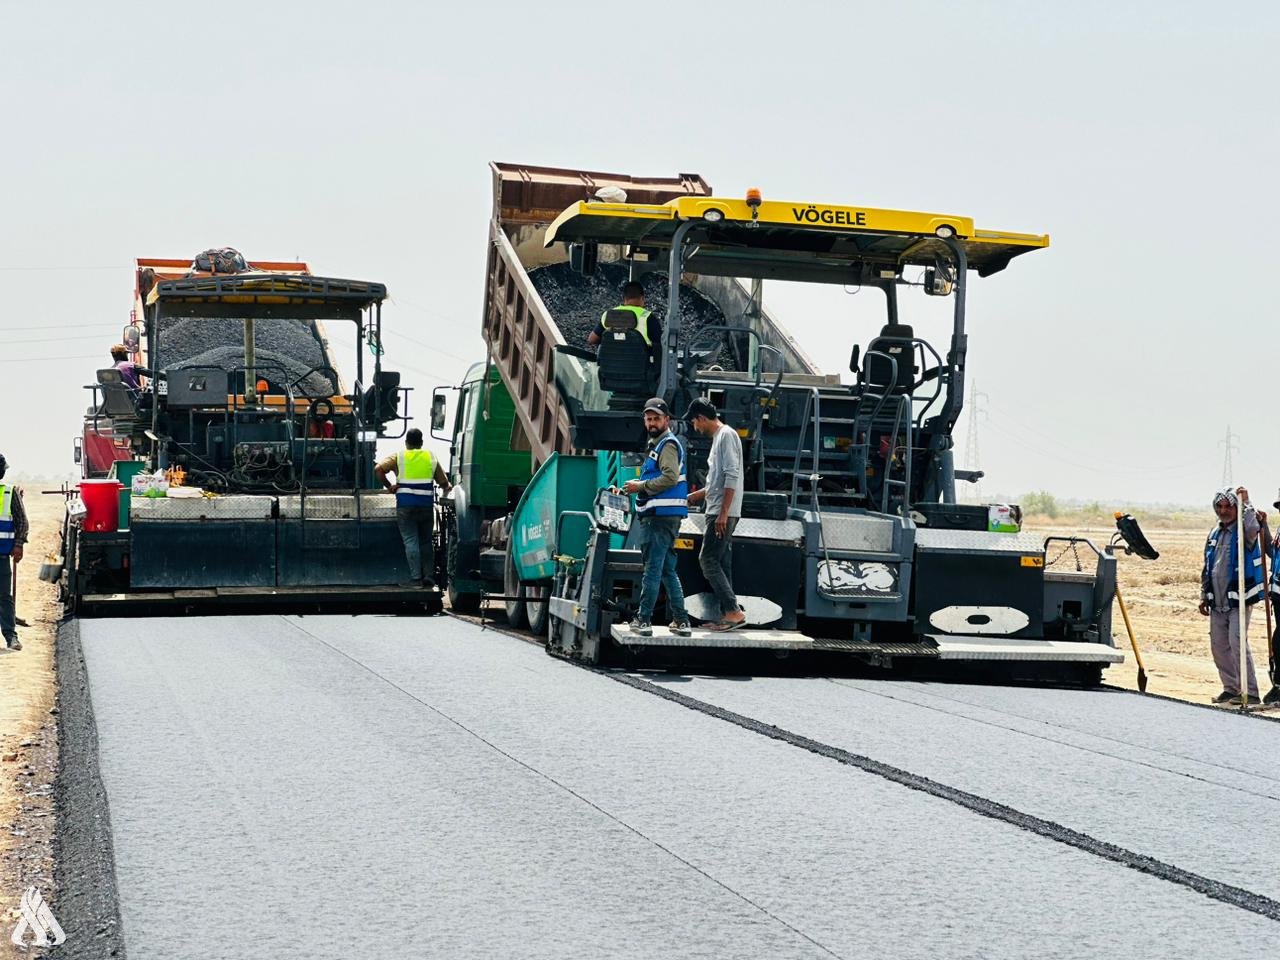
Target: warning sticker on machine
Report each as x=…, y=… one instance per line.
x=683, y=543
x=1033, y=561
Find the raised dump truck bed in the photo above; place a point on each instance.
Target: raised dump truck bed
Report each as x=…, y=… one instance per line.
x=520, y=329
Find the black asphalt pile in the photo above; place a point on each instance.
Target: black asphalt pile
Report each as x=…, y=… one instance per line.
x=219, y=342
x=577, y=301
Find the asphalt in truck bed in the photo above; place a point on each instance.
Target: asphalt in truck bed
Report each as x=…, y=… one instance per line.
x=340, y=786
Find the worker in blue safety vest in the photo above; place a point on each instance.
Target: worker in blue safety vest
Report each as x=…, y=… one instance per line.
x=1220, y=591
x=13, y=534
x=662, y=501
x=647, y=325
x=417, y=475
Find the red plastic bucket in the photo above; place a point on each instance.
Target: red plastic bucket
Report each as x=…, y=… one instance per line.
x=101, y=503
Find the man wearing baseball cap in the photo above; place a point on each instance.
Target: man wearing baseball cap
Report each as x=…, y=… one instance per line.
x=662, y=501
x=13, y=534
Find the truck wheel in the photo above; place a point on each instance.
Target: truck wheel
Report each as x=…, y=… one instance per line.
x=511, y=587
x=537, y=606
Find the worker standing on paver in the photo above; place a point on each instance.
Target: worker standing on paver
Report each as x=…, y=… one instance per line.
x=723, y=497
x=662, y=501
x=1220, y=594
x=13, y=534
x=417, y=475
x=647, y=325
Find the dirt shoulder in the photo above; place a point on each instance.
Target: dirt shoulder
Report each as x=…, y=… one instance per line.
x=28, y=724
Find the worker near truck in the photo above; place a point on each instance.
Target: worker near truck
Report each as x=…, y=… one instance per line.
x=13, y=534
x=662, y=501
x=723, y=498
x=1220, y=590
x=647, y=325
x=417, y=475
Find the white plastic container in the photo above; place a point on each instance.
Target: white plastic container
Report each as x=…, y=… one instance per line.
x=1001, y=519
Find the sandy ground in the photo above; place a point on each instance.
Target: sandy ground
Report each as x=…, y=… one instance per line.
x=28, y=725
x=1161, y=597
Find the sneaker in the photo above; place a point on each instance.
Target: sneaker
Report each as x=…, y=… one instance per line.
x=1224, y=697
x=1273, y=697
x=14, y=644
x=641, y=627
x=681, y=628
x=1240, y=700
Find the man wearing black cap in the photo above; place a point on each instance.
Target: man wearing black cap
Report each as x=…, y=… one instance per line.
x=662, y=501
x=13, y=534
x=723, y=497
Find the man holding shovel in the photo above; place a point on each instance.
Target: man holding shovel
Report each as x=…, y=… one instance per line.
x=1220, y=595
x=13, y=534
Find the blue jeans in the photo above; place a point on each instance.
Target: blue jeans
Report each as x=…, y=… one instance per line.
x=417, y=530
x=657, y=549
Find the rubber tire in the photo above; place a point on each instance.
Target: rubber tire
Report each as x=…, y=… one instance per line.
x=462, y=602
x=537, y=607
x=512, y=587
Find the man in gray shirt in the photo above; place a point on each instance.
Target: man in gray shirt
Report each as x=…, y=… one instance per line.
x=723, y=498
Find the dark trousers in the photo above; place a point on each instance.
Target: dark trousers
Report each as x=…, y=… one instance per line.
x=417, y=530
x=8, y=626
x=716, y=560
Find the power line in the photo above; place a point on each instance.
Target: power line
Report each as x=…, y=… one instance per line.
x=79, y=336
x=67, y=326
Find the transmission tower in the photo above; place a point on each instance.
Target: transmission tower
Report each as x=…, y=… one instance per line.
x=972, y=460
x=1229, y=444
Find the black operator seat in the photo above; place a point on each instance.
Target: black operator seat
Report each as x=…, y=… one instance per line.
x=623, y=358
x=896, y=340
x=117, y=396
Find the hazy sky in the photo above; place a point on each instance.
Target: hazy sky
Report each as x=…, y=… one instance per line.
x=356, y=136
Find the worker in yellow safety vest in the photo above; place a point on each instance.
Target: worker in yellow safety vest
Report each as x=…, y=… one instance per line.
x=417, y=475
x=647, y=325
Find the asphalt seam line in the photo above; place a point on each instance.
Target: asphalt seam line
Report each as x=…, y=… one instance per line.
x=569, y=790
x=1071, y=746
x=1225, y=893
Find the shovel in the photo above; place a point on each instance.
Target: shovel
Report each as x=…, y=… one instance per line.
x=14, y=587
x=1142, y=671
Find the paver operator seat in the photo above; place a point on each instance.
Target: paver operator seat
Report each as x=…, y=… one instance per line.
x=896, y=340
x=623, y=358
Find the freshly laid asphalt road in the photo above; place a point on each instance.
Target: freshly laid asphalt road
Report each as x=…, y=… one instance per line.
x=338, y=786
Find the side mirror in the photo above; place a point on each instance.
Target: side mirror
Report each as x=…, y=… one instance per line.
x=583, y=257
x=854, y=356
x=131, y=338
x=77, y=449
x=938, y=282
x=437, y=411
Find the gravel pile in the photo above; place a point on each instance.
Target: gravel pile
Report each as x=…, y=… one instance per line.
x=576, y=301
x=219, y=342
